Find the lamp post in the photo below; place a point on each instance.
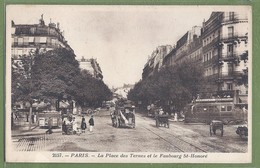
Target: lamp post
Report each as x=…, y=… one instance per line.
x=30, y=88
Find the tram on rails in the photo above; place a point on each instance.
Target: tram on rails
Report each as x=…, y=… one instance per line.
x=223, y=109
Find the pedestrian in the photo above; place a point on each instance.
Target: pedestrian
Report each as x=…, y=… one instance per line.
x=32, y=118
x=161, y=111
x=83, y=125
x=149, y=109
x=27, y=117
x=91, y=123
x=64, y=126
x=74, y=125
x=16, y=115
x=49, y=131
x=12, y=120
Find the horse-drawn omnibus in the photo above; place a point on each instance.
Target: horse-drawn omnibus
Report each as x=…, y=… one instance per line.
x=223, y=109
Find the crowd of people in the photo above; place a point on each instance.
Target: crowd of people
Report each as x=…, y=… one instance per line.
x=71, y=126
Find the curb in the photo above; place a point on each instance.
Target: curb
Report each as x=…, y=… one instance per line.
x=30, y=133
x=34, y=134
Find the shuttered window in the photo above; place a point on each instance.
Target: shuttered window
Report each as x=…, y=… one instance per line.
x=26, y=40
x=20, y=41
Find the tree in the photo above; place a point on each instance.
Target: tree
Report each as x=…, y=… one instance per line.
x=177, y=84
x=53, y=73
x=89, y=90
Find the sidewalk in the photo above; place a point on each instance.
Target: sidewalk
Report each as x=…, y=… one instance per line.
x=21, y=128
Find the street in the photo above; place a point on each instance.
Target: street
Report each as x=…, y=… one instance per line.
x=145, y=137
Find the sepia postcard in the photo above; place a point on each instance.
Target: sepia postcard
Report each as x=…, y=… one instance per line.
x=128, y=84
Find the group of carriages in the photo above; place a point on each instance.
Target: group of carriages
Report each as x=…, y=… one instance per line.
x=214, y=112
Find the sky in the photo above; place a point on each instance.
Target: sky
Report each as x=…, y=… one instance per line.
x=120, y=37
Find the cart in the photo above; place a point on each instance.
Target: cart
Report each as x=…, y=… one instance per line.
x=216, y=125
x=242, y=131
x=162, y=120
x=124, y=117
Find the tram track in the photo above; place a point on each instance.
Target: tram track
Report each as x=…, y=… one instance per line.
x=174, y=140
x=198, y=145
x=177, y=142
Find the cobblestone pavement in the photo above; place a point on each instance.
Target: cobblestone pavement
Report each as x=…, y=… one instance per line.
x=144, y=138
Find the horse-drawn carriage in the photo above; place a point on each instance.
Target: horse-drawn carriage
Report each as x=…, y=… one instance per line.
x=124, y=115
x=162, y=120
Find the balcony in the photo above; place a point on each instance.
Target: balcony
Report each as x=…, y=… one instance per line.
x=232, y=57
x=234, y=38
x=212, y=61
x=235, y=18
x=230, y=76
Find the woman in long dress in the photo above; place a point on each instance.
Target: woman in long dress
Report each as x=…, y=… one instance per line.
x=83, y=125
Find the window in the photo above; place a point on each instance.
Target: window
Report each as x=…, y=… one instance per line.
x=230, y=69
x=230, y=31
x=43, y=40
x=37, y=40
x=231, y=15
x=20, y=41
x=31, y=40
x=26, y=40
x=53, y=42
x=19, y=52
x=230, y=48
x=229, y=86
x=229, y=108
x=223, y=108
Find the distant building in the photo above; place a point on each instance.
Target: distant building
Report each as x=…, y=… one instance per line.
x=122, y=92
x=186, y=44
x=91, y=66
x=155, y=62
